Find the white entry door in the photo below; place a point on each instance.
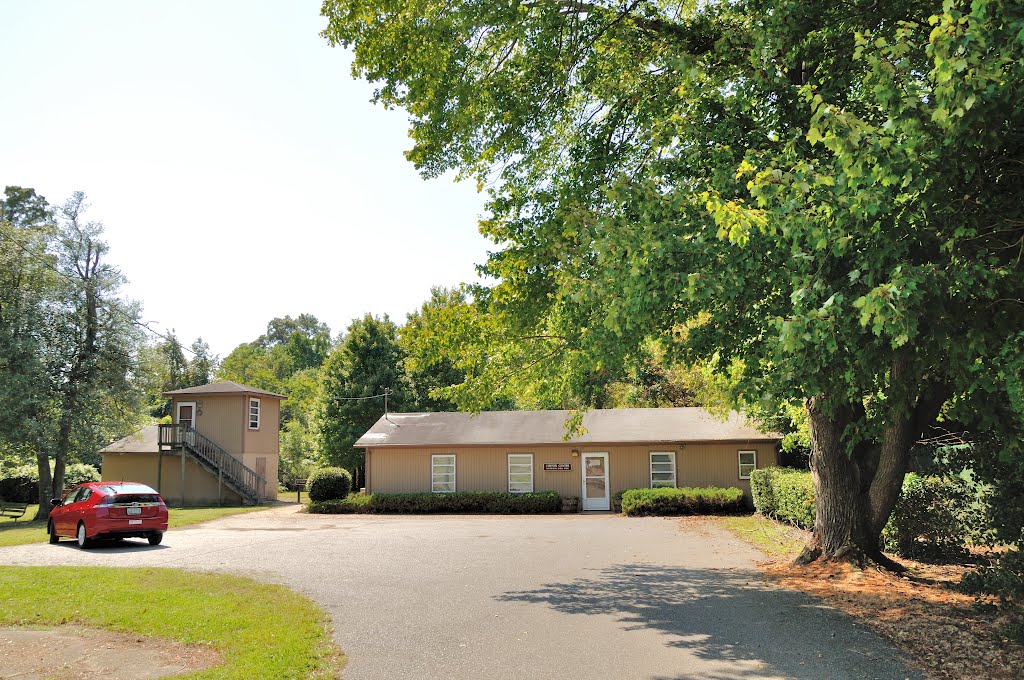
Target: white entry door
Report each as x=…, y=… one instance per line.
x=595, y=482
x=187, y=416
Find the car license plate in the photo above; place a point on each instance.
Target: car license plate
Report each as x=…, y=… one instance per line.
x=135, y=521
x=134, y=511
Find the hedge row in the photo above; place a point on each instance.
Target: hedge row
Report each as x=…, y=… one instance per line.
x=681, y=501
x=935, y=516
x=484, y=502
x=784, y=493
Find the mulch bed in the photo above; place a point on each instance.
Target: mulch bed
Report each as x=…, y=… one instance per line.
x=946, y=633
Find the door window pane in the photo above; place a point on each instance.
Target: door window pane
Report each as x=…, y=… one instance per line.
x=596, y=487
x=595, y=466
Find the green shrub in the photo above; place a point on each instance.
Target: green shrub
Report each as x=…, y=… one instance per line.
x=682, y=501
x=1004, y=578
x=21, y=484
x=785, y=494
x=762, y=481
x=327, y=484
x=793, y=493
x=484, y=502
x=78, y=473
x=932, y=518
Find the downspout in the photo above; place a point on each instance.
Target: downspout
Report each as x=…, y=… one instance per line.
x=368, y=487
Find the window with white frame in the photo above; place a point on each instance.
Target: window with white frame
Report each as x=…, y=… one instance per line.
x=748, y=462
x=442, y=473
x=663, y=468
x=254, y=414
x=520, y=472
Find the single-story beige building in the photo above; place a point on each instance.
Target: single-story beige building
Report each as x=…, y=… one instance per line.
x=521, y=451
x=222, y=447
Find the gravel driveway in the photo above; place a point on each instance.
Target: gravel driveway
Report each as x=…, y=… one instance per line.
x=581, y=597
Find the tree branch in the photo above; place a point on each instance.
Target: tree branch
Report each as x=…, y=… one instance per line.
x=661, y=27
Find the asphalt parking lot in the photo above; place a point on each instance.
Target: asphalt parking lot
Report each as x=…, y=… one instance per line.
x=473, y=597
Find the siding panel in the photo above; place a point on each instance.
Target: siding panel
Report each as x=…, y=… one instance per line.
x=200, y=485
x=402, y=470
x=221, y=419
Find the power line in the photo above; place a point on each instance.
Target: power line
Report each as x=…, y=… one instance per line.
x=372, y=396
x=385, y=394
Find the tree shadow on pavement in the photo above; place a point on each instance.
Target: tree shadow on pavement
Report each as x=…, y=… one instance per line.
x=727, y=615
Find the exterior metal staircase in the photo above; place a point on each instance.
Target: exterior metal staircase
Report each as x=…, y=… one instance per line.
x=230, y=471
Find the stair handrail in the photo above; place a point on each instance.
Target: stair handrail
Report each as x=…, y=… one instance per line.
x=186, y=436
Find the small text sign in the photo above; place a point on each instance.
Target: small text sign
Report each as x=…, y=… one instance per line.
x=558, y=466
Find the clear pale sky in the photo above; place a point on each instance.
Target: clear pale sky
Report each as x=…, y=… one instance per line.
x=238, y=169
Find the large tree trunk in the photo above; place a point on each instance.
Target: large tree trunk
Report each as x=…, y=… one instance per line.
x=856, y=487
x=82, y=372
x=63, y=443
x=843, y=530
x=43, y=464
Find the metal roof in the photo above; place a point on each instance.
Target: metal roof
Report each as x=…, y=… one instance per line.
x=223, y=387
x=518, y=428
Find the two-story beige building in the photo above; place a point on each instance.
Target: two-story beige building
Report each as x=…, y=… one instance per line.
x=221, y=448
x=521, y=451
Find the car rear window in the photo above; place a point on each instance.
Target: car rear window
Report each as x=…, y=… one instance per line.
x=122, y=489
x=134, y=498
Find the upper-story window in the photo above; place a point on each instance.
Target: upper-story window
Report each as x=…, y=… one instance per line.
x=254, y=414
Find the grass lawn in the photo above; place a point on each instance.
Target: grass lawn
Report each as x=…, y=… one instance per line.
x=261, y=631
x=22, y=531
x=771, y=537
x=180, y=517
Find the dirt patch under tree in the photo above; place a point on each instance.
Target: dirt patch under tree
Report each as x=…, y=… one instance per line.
x=78, y=653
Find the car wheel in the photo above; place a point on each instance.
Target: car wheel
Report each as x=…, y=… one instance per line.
x=155, y=538
x=54, y=538
x=83, y=540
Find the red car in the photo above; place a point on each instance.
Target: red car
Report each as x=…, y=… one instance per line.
x=108, y=510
